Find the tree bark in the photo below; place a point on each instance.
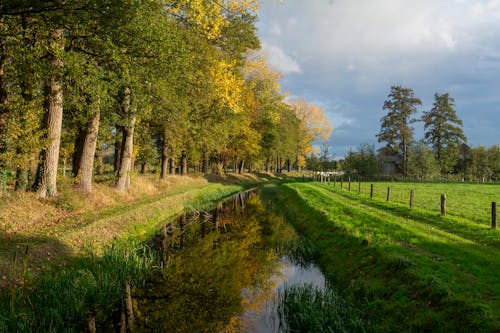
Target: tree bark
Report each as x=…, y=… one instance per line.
x=204, y=166
x=88, y=153
x=184, y=166
x=171, y=166
x=241, y=165
x=164, y=156
x=53, y=119
x=99, y=161
x=78, y=150
x=125, y=167
x=118, y=146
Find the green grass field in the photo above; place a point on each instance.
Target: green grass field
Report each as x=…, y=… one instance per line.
x=418, y=270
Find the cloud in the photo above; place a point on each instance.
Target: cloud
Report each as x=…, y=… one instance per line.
x=353, y=51
x=279, y=60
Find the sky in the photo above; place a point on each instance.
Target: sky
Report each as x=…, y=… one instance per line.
x=344, y=55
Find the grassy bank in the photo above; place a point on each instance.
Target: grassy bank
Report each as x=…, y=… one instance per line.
x=409, y=270
x=65, y=262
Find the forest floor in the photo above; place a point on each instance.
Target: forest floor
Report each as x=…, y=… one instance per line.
x=36, y=234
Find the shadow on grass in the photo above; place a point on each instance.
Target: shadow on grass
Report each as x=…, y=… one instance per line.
x=382, y=279
x=22, y=255
x=468, y=230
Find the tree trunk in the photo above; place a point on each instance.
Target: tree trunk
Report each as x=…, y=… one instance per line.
x=125, y=166
x=241, y=166
x=123, y=180
x=78, y=150
x=171, y=166
x=119, y=135
x=164, y=156
x=184, y=166
x=99, y=161
x=53, y=119
x=288, y=165
x=204, y=166
x=88, y=153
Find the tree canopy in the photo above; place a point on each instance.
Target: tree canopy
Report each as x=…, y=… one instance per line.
x=172, y=86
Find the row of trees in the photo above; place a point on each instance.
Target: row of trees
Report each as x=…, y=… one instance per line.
x=443, y=152
x=443, y=129
x=480, y=163
x=165, y=83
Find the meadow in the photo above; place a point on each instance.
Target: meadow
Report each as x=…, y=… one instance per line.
x=411, y=269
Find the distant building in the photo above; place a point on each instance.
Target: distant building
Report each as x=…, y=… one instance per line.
x=391, y=163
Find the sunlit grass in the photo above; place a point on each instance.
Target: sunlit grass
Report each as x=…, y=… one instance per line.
x=469, y=200
x=444, y=269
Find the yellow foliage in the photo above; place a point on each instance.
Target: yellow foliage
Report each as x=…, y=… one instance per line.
x=210, y=15
x=227, y=86
x=314, y=124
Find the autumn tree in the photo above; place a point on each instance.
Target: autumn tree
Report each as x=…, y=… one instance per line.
x=443, y=131
x=314, y=126
x=396, y=130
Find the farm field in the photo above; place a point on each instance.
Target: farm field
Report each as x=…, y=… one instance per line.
x=422, y=270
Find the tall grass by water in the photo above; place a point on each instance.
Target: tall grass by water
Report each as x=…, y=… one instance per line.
x=416, y=269
x=62, y=299
x=308, y=308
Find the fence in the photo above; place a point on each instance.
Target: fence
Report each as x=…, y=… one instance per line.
x=443, y=200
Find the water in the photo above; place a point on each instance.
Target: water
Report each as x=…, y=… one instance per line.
x=267, y=318
x=222, y=271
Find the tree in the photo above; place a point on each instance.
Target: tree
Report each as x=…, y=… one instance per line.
x=395, y=130
x=422, y=163
x=363, y=162
x=314, y=125
x=443, y=131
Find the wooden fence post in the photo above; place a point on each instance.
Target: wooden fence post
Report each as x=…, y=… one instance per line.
x=349, y=186
x=341, y=183
x=388, y=198
x=371, y=191
x=334, y=181
x=359, y=188
x=128, y=305
x=443, y=204
x=411, y=198
x=493, y=215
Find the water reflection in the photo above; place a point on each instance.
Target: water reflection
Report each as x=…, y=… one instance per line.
x=216, y=268
x=267, y=317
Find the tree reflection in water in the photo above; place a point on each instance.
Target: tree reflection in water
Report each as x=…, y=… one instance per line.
x=207, y=260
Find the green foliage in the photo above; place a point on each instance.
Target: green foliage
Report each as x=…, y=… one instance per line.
x=443, y=130
x=422, y=163
x=395, y=130
x=363, y=163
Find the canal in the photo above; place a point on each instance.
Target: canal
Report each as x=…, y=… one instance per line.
x=224, y=270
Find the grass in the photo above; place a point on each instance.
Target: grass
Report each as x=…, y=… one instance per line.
x=306, y=308
x=75, y=259
x=61, y=299
x=417, y=270
x=471, y=201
